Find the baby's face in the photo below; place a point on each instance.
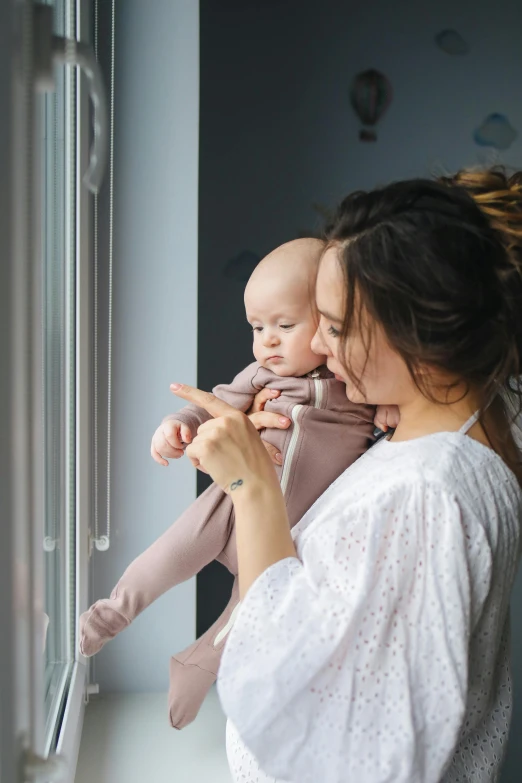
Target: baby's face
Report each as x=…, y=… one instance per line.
x=283, y=322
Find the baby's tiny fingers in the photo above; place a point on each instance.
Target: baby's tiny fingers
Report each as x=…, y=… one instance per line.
x=262, y=398
x=394, y=417
x=171, y=435
x=156, y=456
x=186, y=435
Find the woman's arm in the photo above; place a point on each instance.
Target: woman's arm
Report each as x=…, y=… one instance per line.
x=350, y=663
x=262, y=531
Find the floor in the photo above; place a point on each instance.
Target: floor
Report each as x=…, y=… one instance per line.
x=127, y=739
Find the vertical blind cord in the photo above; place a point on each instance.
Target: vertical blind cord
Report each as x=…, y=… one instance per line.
x=111, y=233
x=95, y=336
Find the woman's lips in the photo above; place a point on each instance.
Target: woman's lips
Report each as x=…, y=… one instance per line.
x=336, y=375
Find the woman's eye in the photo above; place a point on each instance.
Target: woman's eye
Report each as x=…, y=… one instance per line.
x=287, y=326
x=333, y=331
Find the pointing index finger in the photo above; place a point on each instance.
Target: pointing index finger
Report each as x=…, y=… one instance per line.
x=202, y=399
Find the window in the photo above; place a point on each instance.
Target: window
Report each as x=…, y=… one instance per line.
x=58, y=306
x=45, y=302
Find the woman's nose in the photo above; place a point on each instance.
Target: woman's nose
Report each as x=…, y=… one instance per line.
x=318, y=345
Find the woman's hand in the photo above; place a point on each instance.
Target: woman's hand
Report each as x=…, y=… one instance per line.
x=262, y=419
x=228, y=447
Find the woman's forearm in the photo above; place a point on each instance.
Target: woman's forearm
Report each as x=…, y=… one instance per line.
x=262, y=531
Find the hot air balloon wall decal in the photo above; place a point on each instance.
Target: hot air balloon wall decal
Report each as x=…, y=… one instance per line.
x=370, y=95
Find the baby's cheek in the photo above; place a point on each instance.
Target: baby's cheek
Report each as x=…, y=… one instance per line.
x=309, y=350
x=255, y=350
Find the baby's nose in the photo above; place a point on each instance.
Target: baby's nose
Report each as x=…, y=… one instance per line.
x=270, y=338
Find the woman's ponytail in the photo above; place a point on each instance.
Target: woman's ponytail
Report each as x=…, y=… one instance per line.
x=499, y=198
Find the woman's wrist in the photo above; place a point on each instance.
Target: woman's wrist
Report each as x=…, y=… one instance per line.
x=254, y=490
x=254, y=496
x=263, y=535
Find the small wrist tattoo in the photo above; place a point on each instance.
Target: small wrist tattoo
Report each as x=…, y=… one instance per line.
x=236, y=484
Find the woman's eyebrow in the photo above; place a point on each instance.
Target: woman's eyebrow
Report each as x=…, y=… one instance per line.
x=330, y=317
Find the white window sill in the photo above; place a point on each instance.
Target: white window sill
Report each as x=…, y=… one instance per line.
x=127, y=739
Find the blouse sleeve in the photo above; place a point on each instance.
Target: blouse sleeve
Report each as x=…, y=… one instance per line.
x=350, y=663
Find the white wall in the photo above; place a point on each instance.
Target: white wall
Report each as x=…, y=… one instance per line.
x=155, y=315
x=278, y=133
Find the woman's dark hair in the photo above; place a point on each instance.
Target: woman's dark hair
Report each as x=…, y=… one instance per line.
x=439, y=266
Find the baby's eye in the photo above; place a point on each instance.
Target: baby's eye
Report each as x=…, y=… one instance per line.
x=333, y=331
x=287, y=326
x=257, y=328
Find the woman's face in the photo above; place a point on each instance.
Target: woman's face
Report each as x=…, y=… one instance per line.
x=382, y=373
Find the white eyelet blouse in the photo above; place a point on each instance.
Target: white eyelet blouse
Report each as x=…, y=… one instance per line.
x=380, y=654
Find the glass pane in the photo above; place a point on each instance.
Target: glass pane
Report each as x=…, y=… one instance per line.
x=58, y=334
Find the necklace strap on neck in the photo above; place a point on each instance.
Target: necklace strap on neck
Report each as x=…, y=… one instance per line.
x=470, y=422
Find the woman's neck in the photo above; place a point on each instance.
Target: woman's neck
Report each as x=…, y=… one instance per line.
x=421, y=416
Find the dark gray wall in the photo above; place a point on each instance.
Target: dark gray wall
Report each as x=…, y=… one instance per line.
x=278, y=132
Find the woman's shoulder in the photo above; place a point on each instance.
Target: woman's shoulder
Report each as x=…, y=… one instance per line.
x=448, y=462
x=446, y=478
x=447, y=457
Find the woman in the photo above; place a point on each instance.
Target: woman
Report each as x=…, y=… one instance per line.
x=372, y=640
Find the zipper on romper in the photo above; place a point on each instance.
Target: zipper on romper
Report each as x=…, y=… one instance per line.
x=319, y=386
x=285, y=474
x=228, y=627
x=318, y=392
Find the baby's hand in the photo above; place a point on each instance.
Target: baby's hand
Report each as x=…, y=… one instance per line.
x=387, y=417
x=168, y=440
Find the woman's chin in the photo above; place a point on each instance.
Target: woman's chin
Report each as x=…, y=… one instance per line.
x=354, y=395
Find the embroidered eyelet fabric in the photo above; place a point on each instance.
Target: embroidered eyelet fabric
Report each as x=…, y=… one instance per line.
x=381, y=653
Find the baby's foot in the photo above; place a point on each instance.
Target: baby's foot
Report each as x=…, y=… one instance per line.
x=98, y=625
x=189, y=684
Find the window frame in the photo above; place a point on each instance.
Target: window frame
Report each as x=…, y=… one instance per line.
x=68, y=743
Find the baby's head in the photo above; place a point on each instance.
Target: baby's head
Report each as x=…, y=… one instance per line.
x=280, y=307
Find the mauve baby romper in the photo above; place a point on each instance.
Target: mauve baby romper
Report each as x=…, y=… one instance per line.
x=328, y=433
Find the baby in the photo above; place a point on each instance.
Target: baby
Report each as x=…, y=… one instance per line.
x=328, y=433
